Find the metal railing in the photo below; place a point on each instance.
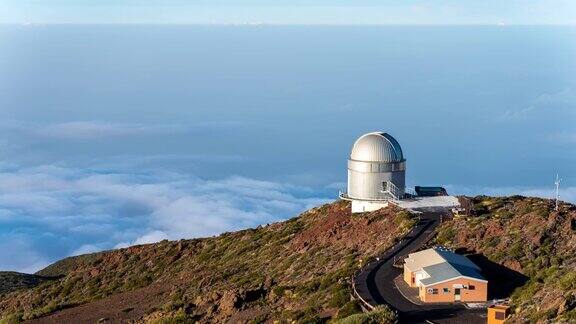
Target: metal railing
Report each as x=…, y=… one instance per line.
x=344, y=196
x=392, y=190
x=420, y=229
x=366, y=306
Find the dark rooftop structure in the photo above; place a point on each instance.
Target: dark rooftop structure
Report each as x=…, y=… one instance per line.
x=430, y=191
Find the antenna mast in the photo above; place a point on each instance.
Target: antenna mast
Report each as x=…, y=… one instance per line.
x=557, y=183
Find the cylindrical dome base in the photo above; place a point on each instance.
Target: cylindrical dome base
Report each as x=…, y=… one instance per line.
x=376, y=172
x=373, y=185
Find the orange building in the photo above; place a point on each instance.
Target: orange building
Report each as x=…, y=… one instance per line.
x=444, y=276
x=497, y=314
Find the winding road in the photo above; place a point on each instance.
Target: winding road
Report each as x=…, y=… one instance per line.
x=374, y=284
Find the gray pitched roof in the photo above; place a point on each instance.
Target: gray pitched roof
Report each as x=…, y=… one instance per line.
x=450, y=270
x=458, y=259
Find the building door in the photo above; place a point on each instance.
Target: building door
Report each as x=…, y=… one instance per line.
x=456, y=294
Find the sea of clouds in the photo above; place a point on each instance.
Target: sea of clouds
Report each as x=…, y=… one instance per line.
x=48, y=212
x=66, y=206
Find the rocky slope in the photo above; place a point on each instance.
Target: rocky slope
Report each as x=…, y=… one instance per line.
x=299, y=270
x=528, y=251
x=12, y=281
x=294, y=270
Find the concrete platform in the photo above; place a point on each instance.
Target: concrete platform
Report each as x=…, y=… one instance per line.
x=430, y=204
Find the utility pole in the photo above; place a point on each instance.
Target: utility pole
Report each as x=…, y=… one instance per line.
x=557, y=183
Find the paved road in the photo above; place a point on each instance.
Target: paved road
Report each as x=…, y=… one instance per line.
x=375, y=282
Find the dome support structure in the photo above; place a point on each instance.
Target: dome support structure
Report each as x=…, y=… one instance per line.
x=376, y=172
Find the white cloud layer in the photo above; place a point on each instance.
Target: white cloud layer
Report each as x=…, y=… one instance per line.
x=82, y=130
x=94, y=129
x=563, y=137
x=50, y=212
x=17, y=253
x=545, y=103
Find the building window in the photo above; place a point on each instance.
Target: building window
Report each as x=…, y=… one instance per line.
x=471, y=287
x=432, y=291
x=446, y=290
x=500, y=316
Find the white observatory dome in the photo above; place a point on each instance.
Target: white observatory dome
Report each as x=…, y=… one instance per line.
x=377, y=147
x=376, y=172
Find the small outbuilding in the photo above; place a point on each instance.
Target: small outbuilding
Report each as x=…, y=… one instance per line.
x=497, y=314
x=444, y=276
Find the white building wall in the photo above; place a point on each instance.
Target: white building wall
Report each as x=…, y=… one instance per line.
x=419, y=275
x=359, y=206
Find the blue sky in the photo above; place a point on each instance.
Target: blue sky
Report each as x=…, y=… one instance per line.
x=290, y=12
x=118, y=135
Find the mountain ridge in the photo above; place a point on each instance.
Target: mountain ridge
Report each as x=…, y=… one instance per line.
x=300, y=269
x=12, y=280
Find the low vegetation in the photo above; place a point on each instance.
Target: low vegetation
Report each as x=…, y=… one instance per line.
x=527, y=239
x=382, y=314
x=298, y=270
x=10, y=281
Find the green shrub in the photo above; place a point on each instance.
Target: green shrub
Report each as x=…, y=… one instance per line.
x=517, y=250
x=260, y=319
x=350, y=308
x=49, y=308
x=309, y=316
x=506, y=214
x=308, y=288
x=568, y=281
x=11, y=319
x=525, y=293
x=446, y=235
x=279, y=290
x=493, y=241
x=380, y=315
x=180, y=317
x=480, y=209
x=405, y=221
x=340, y=296
x=294, y=226
x=140, y=281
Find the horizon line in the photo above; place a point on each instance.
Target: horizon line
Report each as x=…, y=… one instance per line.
x=256, y=24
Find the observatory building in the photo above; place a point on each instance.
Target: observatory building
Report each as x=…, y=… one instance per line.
x=376, y=172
